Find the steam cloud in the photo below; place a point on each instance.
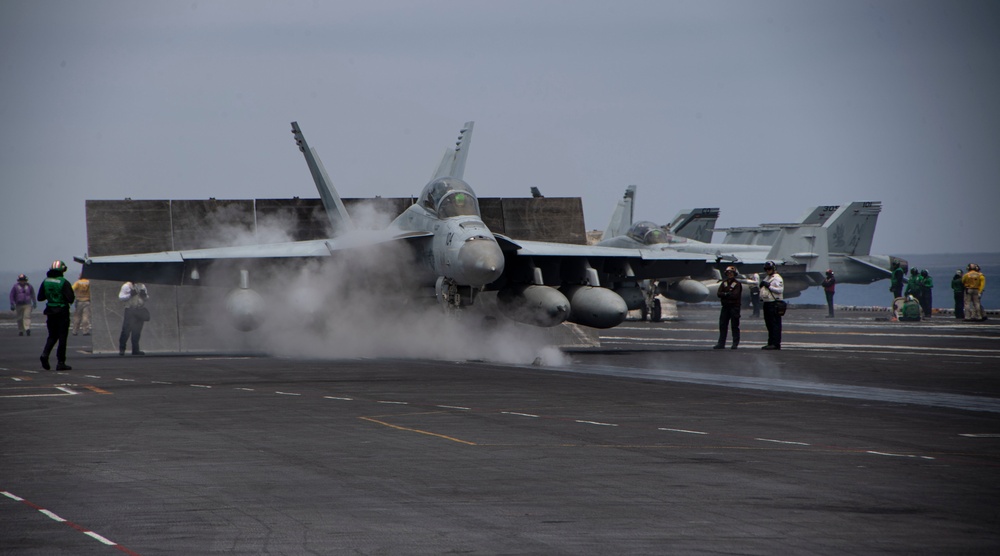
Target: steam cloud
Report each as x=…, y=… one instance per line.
x=366, y=302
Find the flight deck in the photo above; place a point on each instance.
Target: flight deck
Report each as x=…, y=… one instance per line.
x=860, y=436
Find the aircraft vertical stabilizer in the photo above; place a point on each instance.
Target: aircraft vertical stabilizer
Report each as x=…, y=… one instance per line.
x=851, y=229
x=335, y=209
x=453, y=162
x=819, y=215
x=621, y=219
x=802, y=244
x=697, y=224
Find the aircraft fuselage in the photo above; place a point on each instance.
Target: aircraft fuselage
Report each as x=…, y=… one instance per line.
x=462, y=249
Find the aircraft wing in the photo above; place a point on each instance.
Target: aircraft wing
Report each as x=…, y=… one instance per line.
x=571, y=262
x=220, y=265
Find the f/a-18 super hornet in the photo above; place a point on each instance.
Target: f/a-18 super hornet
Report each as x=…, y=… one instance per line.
x=837, y=238
x=767, y=234
x=623, y=233
x=446, y=250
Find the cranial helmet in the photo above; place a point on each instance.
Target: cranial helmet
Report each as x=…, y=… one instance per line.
x=731, y=269
x=58, y=265
x=769, y=265
x=923, y=272
x=22, y=278
x=829, y=271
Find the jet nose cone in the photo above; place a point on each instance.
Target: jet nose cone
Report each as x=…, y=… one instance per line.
x=480, y=262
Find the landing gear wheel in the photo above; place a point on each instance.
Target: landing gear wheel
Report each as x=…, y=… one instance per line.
x=447, y=295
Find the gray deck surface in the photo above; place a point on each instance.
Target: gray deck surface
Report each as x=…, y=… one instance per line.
x=861, y=436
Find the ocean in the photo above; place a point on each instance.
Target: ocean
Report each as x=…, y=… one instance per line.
x=941, y=267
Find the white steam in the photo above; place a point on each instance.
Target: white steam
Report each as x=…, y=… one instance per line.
x=367, y=302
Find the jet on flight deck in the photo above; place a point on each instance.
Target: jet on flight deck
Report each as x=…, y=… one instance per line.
x=453, y=256
x=837, y=238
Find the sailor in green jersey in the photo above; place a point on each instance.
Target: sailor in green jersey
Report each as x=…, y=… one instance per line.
x=897, y=281
x=913, y=285
x=959, y=290
x=926, y=285
x=58, y=295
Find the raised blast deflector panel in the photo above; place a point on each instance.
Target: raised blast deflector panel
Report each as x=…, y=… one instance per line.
x=127, y=227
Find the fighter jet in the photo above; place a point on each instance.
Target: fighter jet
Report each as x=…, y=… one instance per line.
x=449, y=252
x=644, y=235
x=828, y=237
x=766, y=234
x=837, y=238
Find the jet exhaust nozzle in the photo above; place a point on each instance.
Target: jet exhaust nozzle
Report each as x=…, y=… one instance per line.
x=595, y=307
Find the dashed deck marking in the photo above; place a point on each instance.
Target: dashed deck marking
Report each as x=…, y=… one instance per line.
x=55, y=517
x=99, y=538
x=51, y=515
x=96, y=389
x=897, y=455
x=596, y=423
x=782, y=441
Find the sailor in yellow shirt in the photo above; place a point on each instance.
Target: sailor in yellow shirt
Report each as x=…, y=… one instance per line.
x=974, y=283
x=81, y=317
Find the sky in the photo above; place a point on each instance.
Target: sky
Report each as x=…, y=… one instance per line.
x=761, y=108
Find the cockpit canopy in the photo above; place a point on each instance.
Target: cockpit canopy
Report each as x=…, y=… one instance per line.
x=448, y=197
x=648, y=233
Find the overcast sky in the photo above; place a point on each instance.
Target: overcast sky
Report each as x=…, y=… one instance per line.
x=762, y=108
